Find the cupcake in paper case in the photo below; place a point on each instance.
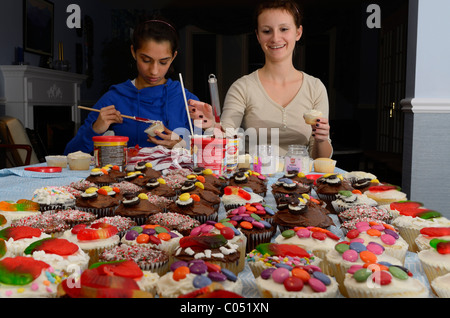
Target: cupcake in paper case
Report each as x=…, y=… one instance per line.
x=26, y=277
x=147, y=169
x=189, y=278
x=137, y=207
x=429, y=233
x=17, y=238
x=299, y=282
x=13, y=211
x=275, y=255
x=286, y=187
x=383, y=281
x=73, y=216
x=347, y=254
x=199, y=180
x=115, y=172
x=381, y=234
x=47, y=222
x=234, y=197
x=122, y=223
x=436, y=260
x=53, y=198
x=242, y=179
x=361, y=180
x=380, y=213
x=99, y=201
x=158, y=186
x=191, y=205
x=174, y=221
x=441, y=286
x=121, y=279
x=126, y=187
x=93, y=239
x=206, y=196
x=315, y=239
x=311, y=116
x=227, y=229
x=410, y=222
x=155, y=236
x=101, y=177
x=148, y=259
x=212, y=248
x=62, y=255
x=348, y=199
x=385, y=194
x=299, y=177
x=218, y=181
x=328, y=186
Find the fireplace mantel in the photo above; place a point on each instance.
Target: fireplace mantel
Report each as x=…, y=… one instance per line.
x=27, y=86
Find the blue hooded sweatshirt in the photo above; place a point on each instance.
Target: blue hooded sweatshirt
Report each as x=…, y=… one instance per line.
x=163, y=102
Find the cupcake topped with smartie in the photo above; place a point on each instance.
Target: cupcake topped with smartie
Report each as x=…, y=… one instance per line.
x=100, y=176
x=147, y=169
x=328, y=186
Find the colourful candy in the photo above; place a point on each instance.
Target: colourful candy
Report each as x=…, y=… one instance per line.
x=435, y=231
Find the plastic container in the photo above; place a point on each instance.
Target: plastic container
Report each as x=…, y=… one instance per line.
x=56, y=161
x=79, y=160
x=297, y=158
x=110, y=150
x=210, y=153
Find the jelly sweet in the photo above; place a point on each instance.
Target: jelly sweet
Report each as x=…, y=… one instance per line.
x=56, y=246
x=282, y=250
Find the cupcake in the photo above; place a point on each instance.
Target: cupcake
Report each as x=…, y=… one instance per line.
x=123, y=279
x=259, y=210
x=26, y=277
x=212, y=248
x=346, y=254
x=385, y=194
x=115, y=172
x=440, y=286
x=311, y=116
x=190, y=205
x=122, y=223
x=101, y=202
x=242, y=180
x=126, y=187
x=328, y=186
x=361, y=180
x=154, y=236
x=383, y=281
x=147, y=258
x=13, y=211
x=82, y=185
x=233, y=235
x=300, y=177
x=206, y=196
x=435, y=260
x=53, y=198
x=93, y=239
x=302, y=212
x=382, y=234
x=380, y=213
x=147, y=169
x=138, y=208
x=17, y=238
x=175, y=178
x=287, y=187
x=274, y=255
x=186, y=278
x=59, y=253
x=315, y=239
x=300, y=282
x=48, y=223
x=235, y=197
x=73, y=216
x=348, y=199
x=429, y=233
x=409, y=223
x=220, y=182
x=324, y=165
x=174, y=221
x=160, y=188
x=161, y=202
x=100, y=177
x=199, y=181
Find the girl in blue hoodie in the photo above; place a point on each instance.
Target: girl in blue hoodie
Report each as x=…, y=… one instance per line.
x=151, y=95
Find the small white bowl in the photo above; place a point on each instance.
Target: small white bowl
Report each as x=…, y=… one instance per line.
x=56, y=161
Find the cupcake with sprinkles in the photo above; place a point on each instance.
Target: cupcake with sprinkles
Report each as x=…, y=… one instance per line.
x=122, y=223
x=162, y=202
x=299, y=282
x=48, y=223
x=53, y=198
x=379, y=213
x=315, y=239
x=174, y=221
x=73, y=216
x=187, y=277
x=383, y=281
x=147, y=258
x=191, y=205
x=126, y=187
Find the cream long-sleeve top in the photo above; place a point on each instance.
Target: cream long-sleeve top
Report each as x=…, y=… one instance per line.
x=248, y=106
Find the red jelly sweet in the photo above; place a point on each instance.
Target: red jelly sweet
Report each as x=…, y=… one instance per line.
x=443, y=247
x=19, y=232
x=204, y=241
x=56, y=246
x=435, y=231
x=282, y=250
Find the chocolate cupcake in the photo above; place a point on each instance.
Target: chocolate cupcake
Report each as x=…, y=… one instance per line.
x=329, y=185
x=147, y=169
x=138, y=208
x=100, y=177
x=243, y=180
x=206, y=196
x=219, y=182
x=101, y=202
x=186, y=205
x=286, y=187
x=159, y=187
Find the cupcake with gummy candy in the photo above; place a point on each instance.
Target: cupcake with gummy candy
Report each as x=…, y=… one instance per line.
x=234, y=197
x=13, y=211
x=429, y=233
x=17, y=238
x=436, y=259
x=383, y=281
x=188, y=277
x=385, y=194
x=299, y=282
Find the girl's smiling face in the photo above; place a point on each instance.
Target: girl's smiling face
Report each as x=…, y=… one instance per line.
x=277, y=34
x=153, y=60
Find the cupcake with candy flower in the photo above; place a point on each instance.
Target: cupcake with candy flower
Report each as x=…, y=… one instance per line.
x=347, y=254
x=299, y=282
x=101, y=202
x=315, y=239
x=191, y=205
x=61, y=254
x=137, y=207
x=186, y=278
x=17, y=238
x=93, y=239
x=383, y=281
x=382, y=234
x=149, y=259
x=154, y=236
x=436, y=259
x=212, y=248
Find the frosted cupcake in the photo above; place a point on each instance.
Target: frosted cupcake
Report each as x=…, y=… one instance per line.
x=385, y=194
x=435, y=260
x=274, y=255
x=186, y=277
x=13, y=211
x=174, y=221
x=17, y=238
x=317, y=240
x=53, y=198
x=122, y=223
x=441, y=286
x=296, y=283
x=383, y=281
x=311, y=116
x=61, y=254
x=349, y=199
x=381, y=234
x=382, y=214
x=346, y=254
x=328, y=186
x=47, y=222
x=191, y=205
x=429, y=233
x=101, y=202
x=94, y=239
x=234, y=197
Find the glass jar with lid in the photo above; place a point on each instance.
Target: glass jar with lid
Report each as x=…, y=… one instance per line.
x=297, y=158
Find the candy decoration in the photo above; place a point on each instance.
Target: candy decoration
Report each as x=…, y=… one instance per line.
x=19, y=232
x=3, y=248
x=293, y=284
x=209, y=241
x=443, y=247
x=56, y=246
x=122, y=268
x=20, y=270
x=435, y=231
x=97, y=231
x=20, y=205
x=233, y=190
x=282, y=250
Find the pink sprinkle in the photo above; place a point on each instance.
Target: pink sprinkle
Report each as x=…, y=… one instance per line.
x=8, y=293
x=49, y=290
x=34, y=286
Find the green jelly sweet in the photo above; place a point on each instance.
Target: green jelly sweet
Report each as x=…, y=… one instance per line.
x=429, y=215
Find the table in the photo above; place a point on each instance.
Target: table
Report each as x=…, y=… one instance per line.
x=17, y=183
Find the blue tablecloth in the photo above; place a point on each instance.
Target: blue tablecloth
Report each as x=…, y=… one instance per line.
x=18, y=183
